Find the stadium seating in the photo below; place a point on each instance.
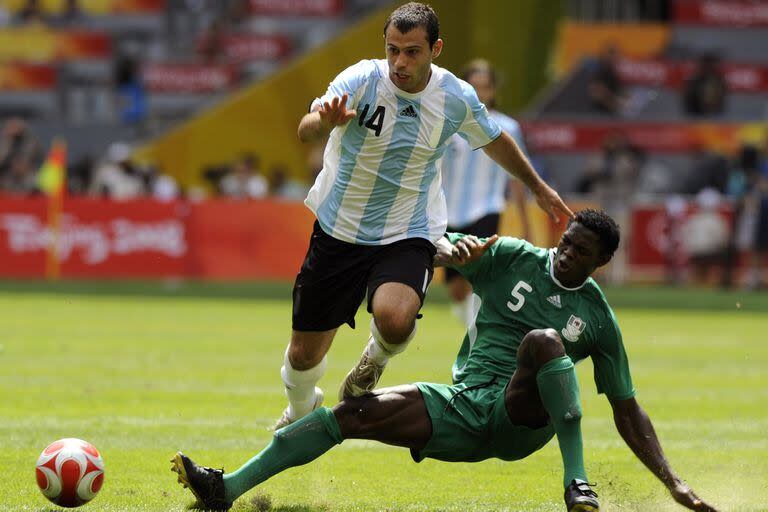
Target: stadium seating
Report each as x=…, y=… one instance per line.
x=164, y=38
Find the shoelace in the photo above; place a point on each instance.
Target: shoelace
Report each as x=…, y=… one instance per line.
x=585, y=488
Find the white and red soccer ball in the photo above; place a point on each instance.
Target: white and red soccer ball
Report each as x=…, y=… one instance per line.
x=70, y=472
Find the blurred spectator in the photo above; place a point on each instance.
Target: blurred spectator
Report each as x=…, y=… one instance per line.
x=283, y=186
x=706, y=89
x=211, y=46
x=117, y=177
x=71, y=14
x=186, y=18
x=238, y=12
x=708, y=170
x=760, y=254
x=656, y=179
x=611, y=180
x=31, y=12
x=129, y=89
x=706, y=236
x=161, y=186
x=245, y=181
x=79, y=175
x=20, y=178
x=18, y=147
x=742, y=181
x=606, y=91
x=612, y=175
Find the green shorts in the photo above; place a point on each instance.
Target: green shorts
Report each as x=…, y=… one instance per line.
x=471, y=424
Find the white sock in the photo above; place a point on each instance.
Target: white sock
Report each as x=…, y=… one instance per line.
x=300, y=386
x=379, y=350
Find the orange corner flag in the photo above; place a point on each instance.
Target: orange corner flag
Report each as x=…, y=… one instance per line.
x=52, y=178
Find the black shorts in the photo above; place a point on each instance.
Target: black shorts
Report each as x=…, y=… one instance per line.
x=335, y=275
x=483, y=228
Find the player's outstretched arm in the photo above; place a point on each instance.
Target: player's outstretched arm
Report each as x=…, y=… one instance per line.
x=505, y=151
x=636, y=429
x=323, y=119
x=466, y=250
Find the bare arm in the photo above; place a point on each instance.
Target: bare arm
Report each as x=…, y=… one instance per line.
x=636, y=429
x=517, y=191
x=505, y=151
x=319, y=123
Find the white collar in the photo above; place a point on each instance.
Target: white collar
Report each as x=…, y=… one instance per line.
x=552, y=253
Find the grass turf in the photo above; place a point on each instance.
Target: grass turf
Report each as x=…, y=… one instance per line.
x=143, y=374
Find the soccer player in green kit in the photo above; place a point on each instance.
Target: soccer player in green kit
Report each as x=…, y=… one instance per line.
x=514, y=387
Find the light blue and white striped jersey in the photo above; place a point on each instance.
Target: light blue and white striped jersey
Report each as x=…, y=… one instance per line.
x=474, y=184
x=381, y=180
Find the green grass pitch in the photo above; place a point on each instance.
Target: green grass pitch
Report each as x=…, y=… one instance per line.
x=141, y=375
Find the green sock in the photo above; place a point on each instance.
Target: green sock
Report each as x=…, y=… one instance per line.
x=299, y=443
x=559, y=392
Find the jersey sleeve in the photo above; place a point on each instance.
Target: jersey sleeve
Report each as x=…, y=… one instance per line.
x=612, y=375
x=478, y=128
x=499, y=256
x=350, y=81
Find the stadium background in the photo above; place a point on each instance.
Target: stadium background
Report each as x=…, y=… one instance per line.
x=180, y=225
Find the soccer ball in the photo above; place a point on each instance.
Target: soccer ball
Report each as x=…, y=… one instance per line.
x=70, y=472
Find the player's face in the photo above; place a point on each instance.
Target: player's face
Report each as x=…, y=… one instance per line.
x=410, y=57
x=483, y=84
x=578, y=255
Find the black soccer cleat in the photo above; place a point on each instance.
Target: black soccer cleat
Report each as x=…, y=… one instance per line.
x=206, y=484
x=579, y=497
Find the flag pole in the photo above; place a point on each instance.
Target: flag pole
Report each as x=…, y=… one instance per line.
x=52, y=181
x=52, y=262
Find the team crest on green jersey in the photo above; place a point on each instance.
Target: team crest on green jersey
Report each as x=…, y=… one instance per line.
x=573, y=328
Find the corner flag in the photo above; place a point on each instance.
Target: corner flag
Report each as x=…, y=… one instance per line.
x=52, y=177
x=52, y=180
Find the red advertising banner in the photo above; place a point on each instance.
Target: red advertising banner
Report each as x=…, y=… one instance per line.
x=216, y=239
x=296, y=7
x=657, y=137
x=724, y=13
x=98, y=238
x=250, y=47
x=657, y=73
x=249, y=239
x=27, y=77
x=658, y=240
x=192, y=78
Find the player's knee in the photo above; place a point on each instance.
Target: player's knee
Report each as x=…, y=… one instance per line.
x=303, y=357
x=395, y=324
x=540, y=346
x=351, y=416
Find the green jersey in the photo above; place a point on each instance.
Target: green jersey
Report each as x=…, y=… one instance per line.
x=518, y=292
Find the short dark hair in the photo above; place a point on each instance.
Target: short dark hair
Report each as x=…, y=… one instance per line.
x=412, y=15
x=601, y=224
x=478, y=66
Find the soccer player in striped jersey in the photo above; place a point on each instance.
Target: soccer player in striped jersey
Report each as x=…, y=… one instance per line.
x=514, y=385
x=475, y=186
x=379, y=202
